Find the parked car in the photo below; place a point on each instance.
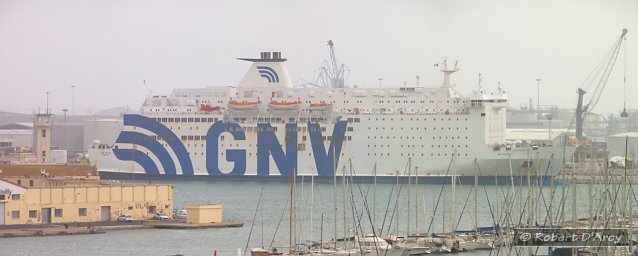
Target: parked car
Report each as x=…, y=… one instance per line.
x=181, y=214
x=160, y=216
x=125, y=218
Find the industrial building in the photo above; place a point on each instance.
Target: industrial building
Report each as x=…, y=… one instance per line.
x=44, y=200
x=617, y=144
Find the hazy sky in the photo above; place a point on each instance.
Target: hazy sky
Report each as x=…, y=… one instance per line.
x=106, y=48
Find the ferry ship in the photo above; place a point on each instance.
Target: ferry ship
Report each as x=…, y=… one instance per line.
x=266, y=127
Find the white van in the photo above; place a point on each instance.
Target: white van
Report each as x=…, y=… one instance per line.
x=181, y=214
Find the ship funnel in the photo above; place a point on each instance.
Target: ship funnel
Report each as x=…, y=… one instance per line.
x=267, y=71
x=265, y=56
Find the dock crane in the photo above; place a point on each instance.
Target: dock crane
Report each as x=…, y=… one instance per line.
x=582, y=111
x=331, y=73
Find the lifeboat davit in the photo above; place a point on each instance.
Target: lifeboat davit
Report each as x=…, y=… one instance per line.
x=243, y=105
x=320, y=106
x=284, y=105
x=208, y=107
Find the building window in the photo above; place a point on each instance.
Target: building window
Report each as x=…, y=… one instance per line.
x=1, y=197
x=31, y=181
x=33, y=214
x=15, y=214
x=44, y=133
x=15, y=197
x=130, y=208
x=58, y=212
x=151, y=209
x=82, y=212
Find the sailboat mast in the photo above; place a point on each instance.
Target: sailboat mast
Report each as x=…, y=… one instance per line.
x=321, y=235
x=476, y=202
x=334, y=194
x=374, y=201
x=312, y=202
x=416, y=196
x=409, y=195
x=290, y=211
x=453, y=218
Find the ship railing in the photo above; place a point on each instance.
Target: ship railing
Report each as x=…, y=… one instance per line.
x=461, y=113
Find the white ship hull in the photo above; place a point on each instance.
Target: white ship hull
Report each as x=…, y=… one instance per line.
x=365, y=133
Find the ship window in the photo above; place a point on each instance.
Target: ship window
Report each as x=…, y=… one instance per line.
x=190, y=119
x=184, y=137
x=184, y=120
x=171, y=119
x=221, y=138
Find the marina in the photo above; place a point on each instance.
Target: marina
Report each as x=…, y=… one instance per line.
x=226, y=241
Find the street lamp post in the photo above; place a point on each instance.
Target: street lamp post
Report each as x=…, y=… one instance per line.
x=65, y=110
x=538, y=95
x=380, y=79
x=72, y=99
x=47, y=109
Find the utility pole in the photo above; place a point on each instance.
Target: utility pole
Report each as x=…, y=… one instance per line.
x=538, y=95
x=47, y=109
x=72, y=99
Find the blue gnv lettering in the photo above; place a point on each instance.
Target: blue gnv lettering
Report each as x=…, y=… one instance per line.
x=268, y=145
x=237, y=156
x=327, y=161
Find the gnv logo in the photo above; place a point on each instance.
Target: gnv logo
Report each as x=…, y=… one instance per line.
x=268, y=145
x=268, y=73
x=140, y=139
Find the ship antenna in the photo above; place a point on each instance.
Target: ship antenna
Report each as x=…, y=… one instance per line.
x=148, y=90
x=480, y=80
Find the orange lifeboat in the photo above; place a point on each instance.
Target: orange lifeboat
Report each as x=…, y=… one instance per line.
x=320, y=106
x=284, y=105
x=208, y=107
x=243, y=105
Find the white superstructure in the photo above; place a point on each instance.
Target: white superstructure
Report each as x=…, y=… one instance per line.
x=266, y=127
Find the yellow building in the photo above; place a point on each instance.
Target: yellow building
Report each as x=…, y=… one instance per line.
x=82, y=203
x=200, y=214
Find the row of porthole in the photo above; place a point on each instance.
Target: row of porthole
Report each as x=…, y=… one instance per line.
x=413, y=137
x=417, y=128
x=412, y=119
x=422, y=146
x=414, y=154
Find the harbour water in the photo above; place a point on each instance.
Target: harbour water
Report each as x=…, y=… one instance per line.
x=240, y=201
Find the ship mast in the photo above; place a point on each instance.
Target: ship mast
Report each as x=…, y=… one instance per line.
x=447, y=71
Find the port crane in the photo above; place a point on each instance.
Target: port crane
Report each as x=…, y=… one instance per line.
x=331, y=73
x=608, y=62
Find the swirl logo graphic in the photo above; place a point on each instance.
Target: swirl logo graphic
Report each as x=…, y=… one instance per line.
x=268, y=73
x=156, y=148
